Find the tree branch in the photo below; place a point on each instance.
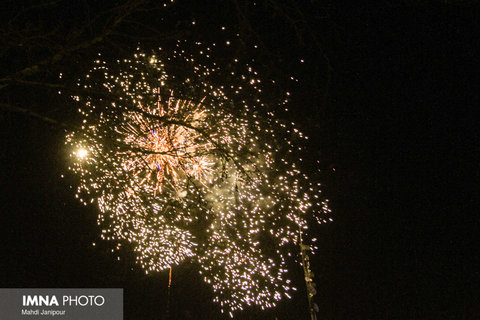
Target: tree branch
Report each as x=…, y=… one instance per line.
x=32, y=114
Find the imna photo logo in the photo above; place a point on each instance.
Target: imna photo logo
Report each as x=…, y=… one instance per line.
x=51, y=300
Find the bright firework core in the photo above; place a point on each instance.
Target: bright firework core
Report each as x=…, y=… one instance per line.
x=81, y=153
x=168, y=151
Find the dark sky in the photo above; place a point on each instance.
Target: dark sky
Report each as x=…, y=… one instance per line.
x=397, y=140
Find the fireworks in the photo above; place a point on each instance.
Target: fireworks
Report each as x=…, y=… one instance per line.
x=171, y=151
x=193, y=174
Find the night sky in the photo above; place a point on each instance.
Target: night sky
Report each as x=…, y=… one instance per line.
x=387, y=95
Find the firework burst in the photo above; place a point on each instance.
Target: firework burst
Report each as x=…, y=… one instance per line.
x=171, y=151
x=183, y=178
